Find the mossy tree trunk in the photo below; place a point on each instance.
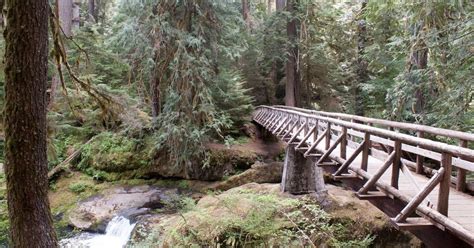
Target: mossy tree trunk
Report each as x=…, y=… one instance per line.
x=26, y=164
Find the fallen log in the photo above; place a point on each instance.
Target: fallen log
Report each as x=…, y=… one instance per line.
x=64, y=165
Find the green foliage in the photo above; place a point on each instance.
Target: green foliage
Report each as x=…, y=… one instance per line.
x=115, y=152
x=188, y=53
x=257, y=220
x=78, y=187
x=445, y=84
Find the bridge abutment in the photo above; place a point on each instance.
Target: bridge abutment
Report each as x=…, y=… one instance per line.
x=301, y=175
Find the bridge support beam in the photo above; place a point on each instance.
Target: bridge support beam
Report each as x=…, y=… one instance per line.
x=301, y=175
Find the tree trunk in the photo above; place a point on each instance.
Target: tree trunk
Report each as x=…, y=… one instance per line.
x=155, y=90
x=280, y=4
x=362, y=72
x=66, y=15
x=246, y=13
x=26, y=164
x=91, y=11
x=293, y=78
x=2, y=16
x=418, y=61
x=269, y=6
x=76, y=16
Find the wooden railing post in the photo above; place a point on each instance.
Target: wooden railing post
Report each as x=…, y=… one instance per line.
x=365, y=152
x=344, y=143
x=316, y=131
x=461, y=175
x=328, y=136
x=396, y=163
x=444, y=185
x=420, y=159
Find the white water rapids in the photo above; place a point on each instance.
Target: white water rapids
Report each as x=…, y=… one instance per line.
x=116, y=235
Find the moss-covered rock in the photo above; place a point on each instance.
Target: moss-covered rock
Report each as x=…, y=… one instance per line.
x=253, y=215
x=116, y=153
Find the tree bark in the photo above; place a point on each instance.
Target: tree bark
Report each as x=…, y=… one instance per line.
x=2, y=16
x=66, y=15
x=293, y=77
x=91, y=11
x=155, y=90
x=280, y=5
x=418, y=61
x=362, y=72
x=246, y=13
x=269, y=6
x=26, y=164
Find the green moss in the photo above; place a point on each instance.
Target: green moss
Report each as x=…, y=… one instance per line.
x=78, y=187
x=111, y=154
x=246, y=218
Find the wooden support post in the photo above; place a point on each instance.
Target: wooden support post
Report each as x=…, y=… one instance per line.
x=316, y=143
x=290, y=130
x=461, y=175
x=443, y=197
x=343, y=148
x=397, y=149
x=297, y=133
x=306, y=127
x=316, y=132
x=371, y=182
x=274, y=124
x=413, y=204
x=330, y=150
x=390, y=149
x=282, y=128
x=328, y=136
x=348, y=162
x=269, y=120
x=365, y=152
x=419, y=159
x=313, y=129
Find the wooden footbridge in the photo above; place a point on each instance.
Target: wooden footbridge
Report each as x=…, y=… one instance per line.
x=420, y=183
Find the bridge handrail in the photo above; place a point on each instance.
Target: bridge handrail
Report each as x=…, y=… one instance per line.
x=394, y=124
x=290, y=125
x=426, y=143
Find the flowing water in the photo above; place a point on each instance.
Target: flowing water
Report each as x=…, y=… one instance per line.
x=116, y=235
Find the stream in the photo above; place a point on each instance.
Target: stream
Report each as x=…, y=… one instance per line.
x=116, y=235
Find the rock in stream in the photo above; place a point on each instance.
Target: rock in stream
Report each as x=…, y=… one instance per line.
x=94, y=213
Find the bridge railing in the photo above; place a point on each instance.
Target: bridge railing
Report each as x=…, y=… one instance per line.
x=421, y=131
x=307, y=129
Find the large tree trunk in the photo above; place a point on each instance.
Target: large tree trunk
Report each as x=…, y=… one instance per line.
x=2, y=17
x=246, y=13
x=362, y=72
x=418, y=61
x=66, y=15
x=91, y=11
x=269, y=6
x=26, y=164
x=280, y=4
x=155, y=90
x=293, y=77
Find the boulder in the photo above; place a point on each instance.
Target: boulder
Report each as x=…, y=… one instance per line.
x=258, y=173
x=93, y=213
